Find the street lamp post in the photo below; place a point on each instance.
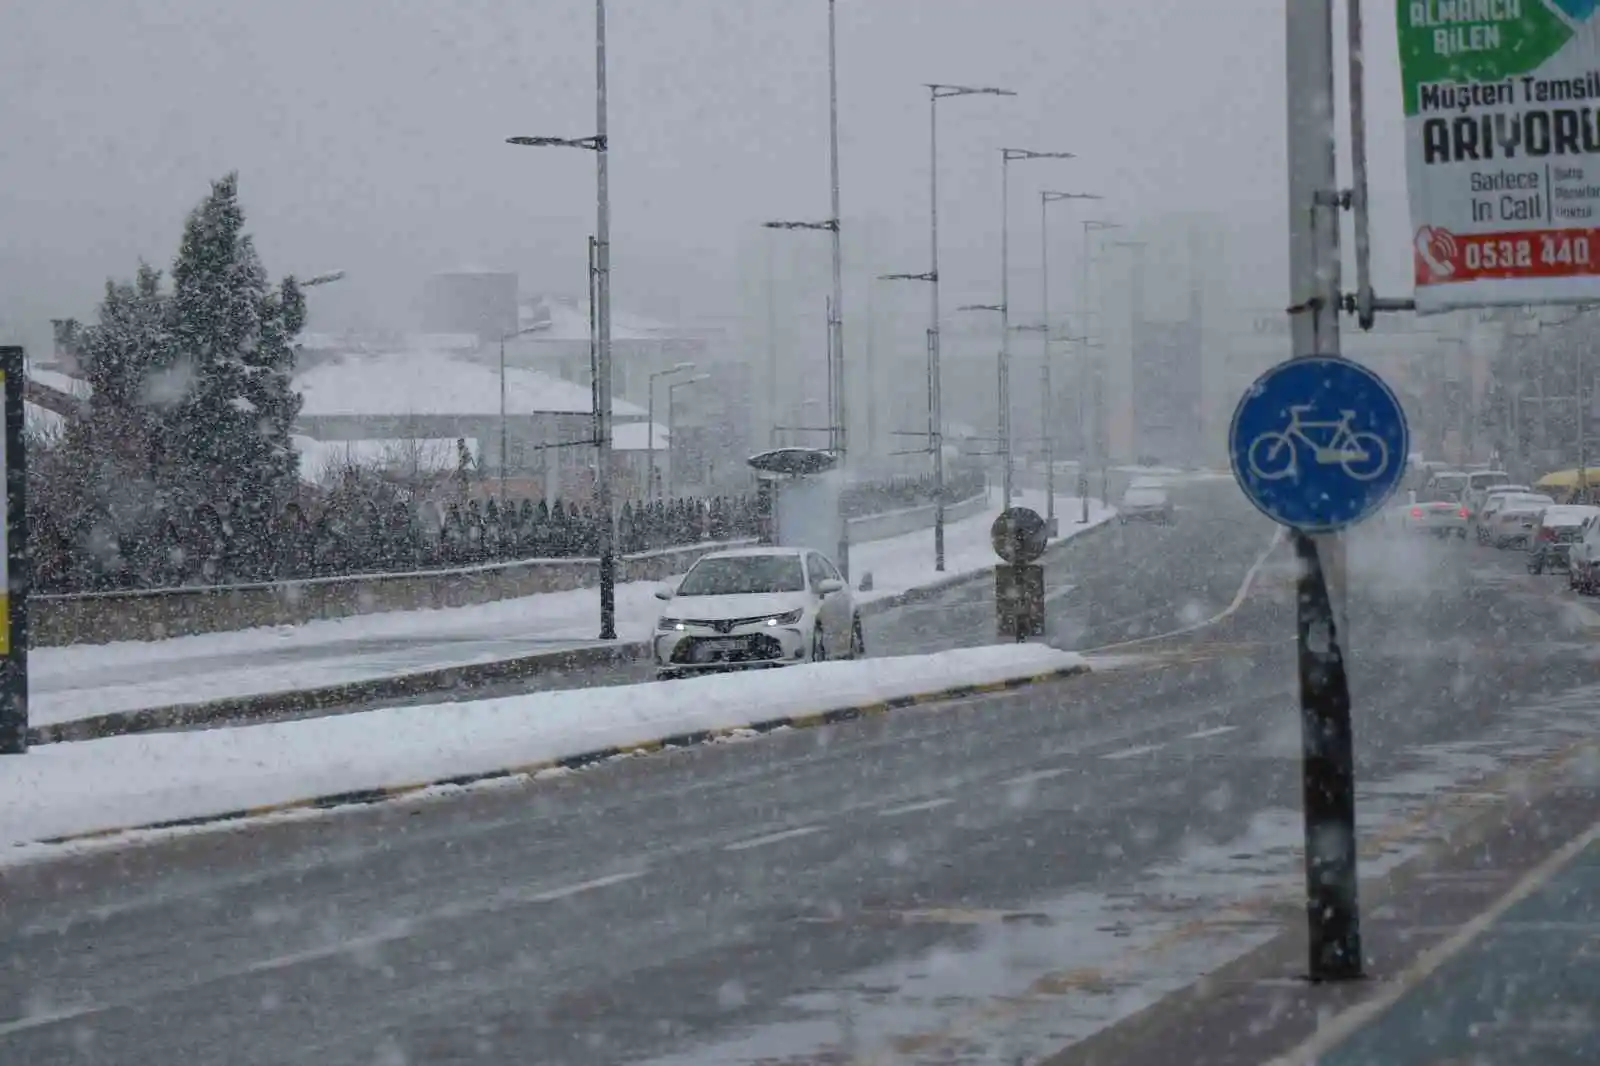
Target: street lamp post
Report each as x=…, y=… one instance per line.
x=599, y=145
x=650, y=432
x=1047, y=390
x=836, y=320
x=1087, y=441
x=503, y=449
x=672, y=424
x=1003, y=415
x=1136, y=295
x=938, y=91
x=1007, y=156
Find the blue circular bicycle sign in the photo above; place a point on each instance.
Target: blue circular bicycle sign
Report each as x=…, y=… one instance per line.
x=1318, y=443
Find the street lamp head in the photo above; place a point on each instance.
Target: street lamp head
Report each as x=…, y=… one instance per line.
x=593, y=144
x=684, y=366
x=1010, y=154
x=1050, y=196
x=982, y=307
x=926, y=276
x=1098, y=223
x=941, y=91
x=321, y=279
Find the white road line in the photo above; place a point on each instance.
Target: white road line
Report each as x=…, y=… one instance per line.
x=1343, y=1026
x=1217, y=732
x=1238, y=601
x=913, y=808
x=1133, y=753
x=396, y=932
x=1037, y=775
x=1055, y=594
x=584, y=886
x=774, y=838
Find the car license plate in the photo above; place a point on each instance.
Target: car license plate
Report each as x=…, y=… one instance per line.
x=733, y=644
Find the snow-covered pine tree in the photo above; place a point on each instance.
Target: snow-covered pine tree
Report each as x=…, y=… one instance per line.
x=232, y=339
x=114, y=502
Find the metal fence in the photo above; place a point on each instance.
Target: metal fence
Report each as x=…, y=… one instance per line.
x=352, y=533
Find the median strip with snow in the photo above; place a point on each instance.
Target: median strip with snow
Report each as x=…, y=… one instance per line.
x=63, y=790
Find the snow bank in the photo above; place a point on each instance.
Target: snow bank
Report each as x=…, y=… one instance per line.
x=75, y=681
x=62, y=789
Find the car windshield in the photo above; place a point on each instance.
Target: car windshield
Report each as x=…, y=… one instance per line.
x=732, y=575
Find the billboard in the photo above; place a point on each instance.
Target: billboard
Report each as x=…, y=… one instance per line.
x=1502, y=113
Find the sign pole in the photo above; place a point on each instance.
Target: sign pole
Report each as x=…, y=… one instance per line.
x=14, y=552
x=1328, y=771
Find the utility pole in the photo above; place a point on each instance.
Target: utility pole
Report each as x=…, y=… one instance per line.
x=600, y=308
x=836, y=313
x=936, y=92
x=1047, y=410
x=1315, y=292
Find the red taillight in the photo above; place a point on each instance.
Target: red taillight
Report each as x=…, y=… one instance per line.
x=1465, y=513
x=1416, y=512
x=1546, y=533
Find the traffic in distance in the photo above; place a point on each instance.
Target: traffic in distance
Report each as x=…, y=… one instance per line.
x=1554, y=522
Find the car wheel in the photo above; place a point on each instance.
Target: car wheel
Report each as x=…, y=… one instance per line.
x=667, y=675
x=858, y=640
x=819, y=649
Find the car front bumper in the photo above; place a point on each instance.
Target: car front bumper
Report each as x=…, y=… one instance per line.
x=705, y=649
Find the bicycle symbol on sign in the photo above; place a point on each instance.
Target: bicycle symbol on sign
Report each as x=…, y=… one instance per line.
x=1363, y=456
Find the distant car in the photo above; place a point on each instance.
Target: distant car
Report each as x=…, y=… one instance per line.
x=1559, y=528
x=1483, y=506
x=1583, y=558
x=1512, y=523
x=1439, y=518
x=756, y=607
x=1444, y=485
x=1145, y=500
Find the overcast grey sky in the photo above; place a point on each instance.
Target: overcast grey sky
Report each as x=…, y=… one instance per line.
x=369, y=134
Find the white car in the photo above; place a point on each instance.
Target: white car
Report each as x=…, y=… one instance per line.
x=755, y=607
x=1583, y=558
x=1145, y=499
x=1511, y=524
x=1557, y=534
x=1440, y=518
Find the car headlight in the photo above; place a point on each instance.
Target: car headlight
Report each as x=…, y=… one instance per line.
x=665, y=622
x=788, y=618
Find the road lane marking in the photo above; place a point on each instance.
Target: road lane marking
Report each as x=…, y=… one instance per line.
x=1238, y=601
x=1034, y=776
x=1133, y=753
x=1055, y=594
x=773, y=838
x=1217, y=732
x=584, y=886
x=913, y=808
x=1341, y=1027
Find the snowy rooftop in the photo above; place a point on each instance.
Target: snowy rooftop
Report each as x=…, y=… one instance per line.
x=438, y=383
x=558, y=318
x=321, y=458
x=54, y=379
x=630, y=437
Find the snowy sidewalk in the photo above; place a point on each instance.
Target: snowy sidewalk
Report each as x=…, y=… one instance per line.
x=82, y=681
x=59, y=790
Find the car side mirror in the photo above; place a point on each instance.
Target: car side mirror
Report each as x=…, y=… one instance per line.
x=664, y=594
x=829, y=585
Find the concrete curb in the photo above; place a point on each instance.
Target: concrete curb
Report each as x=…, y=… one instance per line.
x=468, y=676
x=358, y=797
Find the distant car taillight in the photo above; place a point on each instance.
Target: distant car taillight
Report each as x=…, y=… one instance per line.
x=1465, y=513
x=1547, y=534
x=1416, y=512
